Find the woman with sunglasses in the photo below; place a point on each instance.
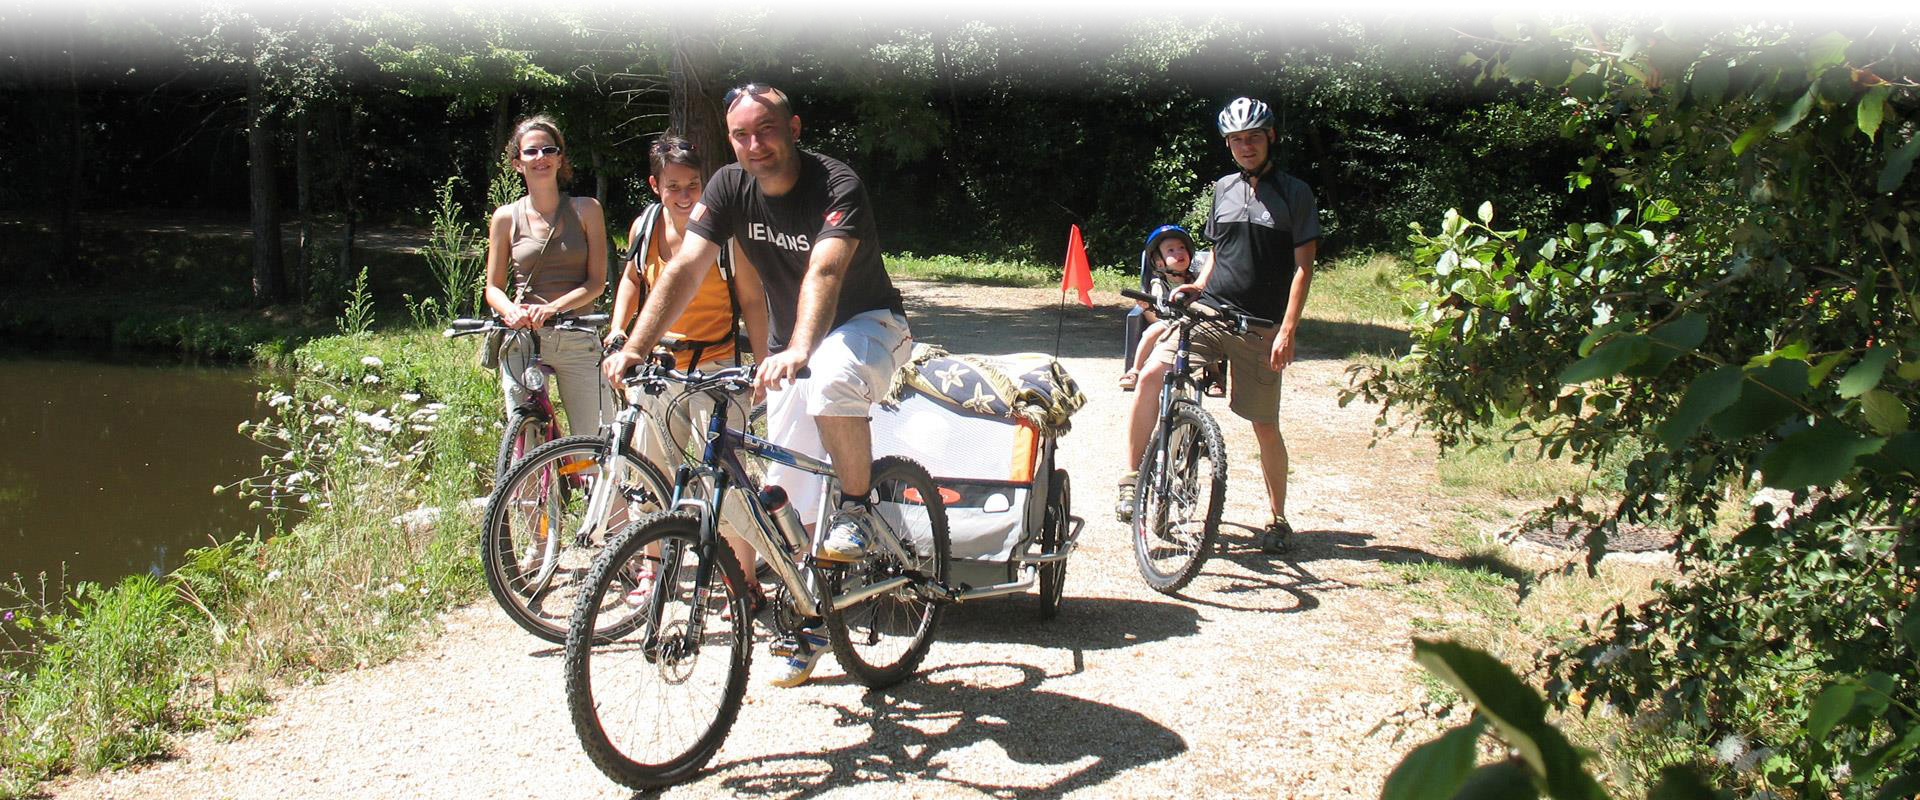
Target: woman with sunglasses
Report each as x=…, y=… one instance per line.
x=547, y=258
x=728, y=292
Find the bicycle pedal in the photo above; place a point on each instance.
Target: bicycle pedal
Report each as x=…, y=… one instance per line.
x=784, y=648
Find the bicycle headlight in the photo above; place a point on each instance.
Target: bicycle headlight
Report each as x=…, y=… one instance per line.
x=534, y=379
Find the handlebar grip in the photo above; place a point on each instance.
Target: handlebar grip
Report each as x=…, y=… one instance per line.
x=467, y=324
x=1135, y=294
x=593, y=319
x=1258, y=322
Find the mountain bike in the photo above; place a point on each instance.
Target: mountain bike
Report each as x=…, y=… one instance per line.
x=1183, y=473
x=653, y=701
x=553, y=510
x=532, y=423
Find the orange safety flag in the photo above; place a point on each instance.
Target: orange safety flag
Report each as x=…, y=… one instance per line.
x=1077, y=275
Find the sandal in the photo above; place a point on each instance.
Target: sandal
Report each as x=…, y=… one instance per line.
x=1128, y=379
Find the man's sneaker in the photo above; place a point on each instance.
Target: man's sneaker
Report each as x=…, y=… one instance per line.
x=1278, y=537
x=847, y=537
x=798, y=655
x=1123, y=493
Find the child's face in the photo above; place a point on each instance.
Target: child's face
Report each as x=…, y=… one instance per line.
x=1174, y=254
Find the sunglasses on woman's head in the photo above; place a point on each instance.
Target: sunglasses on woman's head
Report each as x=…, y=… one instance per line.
x=664, y=148
x=536, y=152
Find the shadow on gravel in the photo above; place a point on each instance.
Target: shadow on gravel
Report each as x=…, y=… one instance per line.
x=917, y=726
x=1084, y=623
x=1083, y=332
x=1100, y=332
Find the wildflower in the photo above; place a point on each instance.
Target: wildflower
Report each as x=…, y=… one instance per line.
x=273, y=576
x=325, y=419
x=1730, y=748
x=435, y=406
x=372, y=361
x=279, y=399
x=8, y=617
x=374, y=421
x=411, y=397
x=422, y=428
x=371, y=378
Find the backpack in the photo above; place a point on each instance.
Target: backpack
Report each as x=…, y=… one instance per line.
x=649, y=219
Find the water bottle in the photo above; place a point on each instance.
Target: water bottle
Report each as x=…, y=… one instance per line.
x=774, y=500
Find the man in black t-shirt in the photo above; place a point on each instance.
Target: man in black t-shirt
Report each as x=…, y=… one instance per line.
x=1265, y=230
x=804, y=222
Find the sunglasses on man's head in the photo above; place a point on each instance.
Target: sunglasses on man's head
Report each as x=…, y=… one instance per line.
x=536, y=152
x=734, y=93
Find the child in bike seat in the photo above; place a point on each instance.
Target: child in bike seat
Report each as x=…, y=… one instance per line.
x=1170, y=261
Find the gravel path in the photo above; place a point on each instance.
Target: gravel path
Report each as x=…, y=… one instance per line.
x=1264, y=679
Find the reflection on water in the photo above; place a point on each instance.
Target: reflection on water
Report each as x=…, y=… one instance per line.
x=108, y=468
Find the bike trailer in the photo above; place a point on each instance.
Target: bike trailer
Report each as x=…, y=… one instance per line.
x=987, y=429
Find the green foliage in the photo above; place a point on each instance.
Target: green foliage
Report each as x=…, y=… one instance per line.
x=357, y=318
x=455, y=251
x=1747, y=310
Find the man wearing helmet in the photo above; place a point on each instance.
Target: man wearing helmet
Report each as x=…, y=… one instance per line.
x=1265, y=228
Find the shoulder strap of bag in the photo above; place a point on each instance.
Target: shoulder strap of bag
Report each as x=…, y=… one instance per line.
x=733, y=300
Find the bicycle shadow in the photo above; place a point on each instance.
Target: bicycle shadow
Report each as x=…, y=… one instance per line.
x=1289, y=572
x=915, y=725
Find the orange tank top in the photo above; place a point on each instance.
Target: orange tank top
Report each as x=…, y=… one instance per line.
x=709, y=318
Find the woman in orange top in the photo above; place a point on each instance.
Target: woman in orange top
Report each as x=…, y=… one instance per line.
x=707, y=323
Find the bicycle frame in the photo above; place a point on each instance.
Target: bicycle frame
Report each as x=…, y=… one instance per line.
x=721, y=468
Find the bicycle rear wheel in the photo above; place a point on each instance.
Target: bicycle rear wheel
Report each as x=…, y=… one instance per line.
x=881, y=640
x=652, y=705
x=1176, y=508
x=526, y=430
x=536, y=540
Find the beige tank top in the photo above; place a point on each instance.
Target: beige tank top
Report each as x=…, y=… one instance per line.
x=553, y=266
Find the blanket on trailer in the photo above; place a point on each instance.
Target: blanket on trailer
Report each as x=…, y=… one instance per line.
x=1029, y=387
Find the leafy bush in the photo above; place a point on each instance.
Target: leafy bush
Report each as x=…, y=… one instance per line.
x=1747, y=313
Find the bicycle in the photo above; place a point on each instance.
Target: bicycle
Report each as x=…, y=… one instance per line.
x=1183, y=472
x=532, y=423
x=653, y=701
x=551, y=511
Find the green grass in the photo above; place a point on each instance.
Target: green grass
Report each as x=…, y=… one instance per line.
x=991, y=272
x=109, y=674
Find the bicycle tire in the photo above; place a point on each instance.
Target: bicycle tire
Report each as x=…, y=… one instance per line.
x=910, y=502
x=1173, y=533
x=539, y=506
x=526, y=430
x=645, y=678
x=1053, y=538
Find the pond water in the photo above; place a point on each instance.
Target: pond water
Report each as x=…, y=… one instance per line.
x=108, y=468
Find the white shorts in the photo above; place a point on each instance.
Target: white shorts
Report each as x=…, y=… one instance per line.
x=851, y=369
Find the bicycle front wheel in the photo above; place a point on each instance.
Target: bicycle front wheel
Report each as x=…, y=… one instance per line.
x=538, y=538
x=881, y=640
x=526, y=430
x=652, y=705
x=1176, y=507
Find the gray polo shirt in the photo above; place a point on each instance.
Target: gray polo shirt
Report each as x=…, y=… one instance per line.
x=1254, y=227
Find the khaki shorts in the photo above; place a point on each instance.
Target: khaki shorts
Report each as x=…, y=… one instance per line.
x=1253, y=387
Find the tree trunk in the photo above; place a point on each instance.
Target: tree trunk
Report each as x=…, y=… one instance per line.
x=300, y=277
x=263, y=131
x=66, y=250
x=693, y=107
x=349, y=195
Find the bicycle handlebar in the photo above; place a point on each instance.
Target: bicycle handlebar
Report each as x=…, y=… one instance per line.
x=585, y=323
x=1212, y=309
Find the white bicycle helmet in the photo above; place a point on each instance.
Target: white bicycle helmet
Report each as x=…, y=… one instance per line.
x=1245, y=114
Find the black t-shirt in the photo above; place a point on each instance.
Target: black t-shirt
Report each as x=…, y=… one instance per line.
x=778, y=235
x=1254, y=231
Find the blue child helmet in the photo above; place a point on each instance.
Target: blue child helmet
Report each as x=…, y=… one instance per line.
x=1163, y=232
